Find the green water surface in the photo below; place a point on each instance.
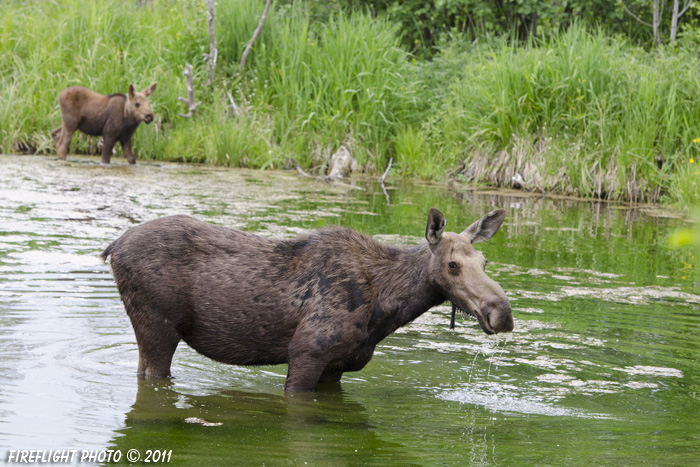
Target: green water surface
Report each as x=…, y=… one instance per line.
x=601, y=369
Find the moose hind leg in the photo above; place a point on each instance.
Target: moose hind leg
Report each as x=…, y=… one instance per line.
x=56, y=136
x=157, y=343
x=64, y=137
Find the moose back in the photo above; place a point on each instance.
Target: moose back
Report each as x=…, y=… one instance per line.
x=320, y=302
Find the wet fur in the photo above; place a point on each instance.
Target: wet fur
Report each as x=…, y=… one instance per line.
x=320, y=302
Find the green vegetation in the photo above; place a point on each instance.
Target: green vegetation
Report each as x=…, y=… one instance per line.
x=425, y=23
x=585, y=115
x=581, y=112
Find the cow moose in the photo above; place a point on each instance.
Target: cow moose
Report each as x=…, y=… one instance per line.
x=320, y=302
x=115, y=117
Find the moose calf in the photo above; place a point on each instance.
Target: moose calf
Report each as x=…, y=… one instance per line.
x=115, y=117
x=320, y=302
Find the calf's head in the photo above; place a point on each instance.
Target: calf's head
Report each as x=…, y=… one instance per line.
x=459, y=270
x=137, y=105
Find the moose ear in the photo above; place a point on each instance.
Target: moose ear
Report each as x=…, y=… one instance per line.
x=435, y=227
x=132, y=91
x=486, y=227
x=150, y=89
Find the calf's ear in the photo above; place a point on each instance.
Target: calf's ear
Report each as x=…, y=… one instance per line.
x=486, y=227
x=150, y=89
x=132, y=91
x=435, y=227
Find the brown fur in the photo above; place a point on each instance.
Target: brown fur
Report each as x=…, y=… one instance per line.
x=320, y=302
x=114, y=117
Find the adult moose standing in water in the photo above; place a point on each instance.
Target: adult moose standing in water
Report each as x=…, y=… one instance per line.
x=320, y=302
x=115, y=117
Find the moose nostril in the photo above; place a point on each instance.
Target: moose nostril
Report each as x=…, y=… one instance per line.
x=501, y=317
x=508, y=324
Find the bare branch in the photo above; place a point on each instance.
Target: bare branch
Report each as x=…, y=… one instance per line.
x=381, y=181
x=685, y=7
x=213, y=51
x=386, y=172
x=659, y=6
x=301, y=172
x=263, y=18
x=636, y=17
x=235, y=109
x=191, y=104
x=676, y=15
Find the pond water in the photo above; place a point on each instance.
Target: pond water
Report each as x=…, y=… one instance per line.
x=603, y=366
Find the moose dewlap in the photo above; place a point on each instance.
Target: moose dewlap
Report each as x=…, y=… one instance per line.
x=320, y=302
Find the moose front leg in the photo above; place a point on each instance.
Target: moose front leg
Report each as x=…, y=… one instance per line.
x=304, y=373
x=323, y=348
x=331, y=376
x=128, y=153
x=107, y=146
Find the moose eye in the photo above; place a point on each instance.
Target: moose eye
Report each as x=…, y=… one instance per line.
x=452, y=266
x=138, y=105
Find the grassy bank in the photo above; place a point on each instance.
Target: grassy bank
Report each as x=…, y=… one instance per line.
x=585, y=114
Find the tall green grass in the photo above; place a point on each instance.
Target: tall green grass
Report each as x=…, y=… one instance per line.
x=346, y=79
x=583, y=114
x=46, y=46
x=307, y=89
x=609, y=112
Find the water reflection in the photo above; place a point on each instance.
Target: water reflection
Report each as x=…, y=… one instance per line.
x=319, y=428
x=605, y=342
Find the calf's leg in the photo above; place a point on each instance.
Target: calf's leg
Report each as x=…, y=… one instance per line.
x=108, y=143
x=66, y=134
x=56, y=137
x=128, y=153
